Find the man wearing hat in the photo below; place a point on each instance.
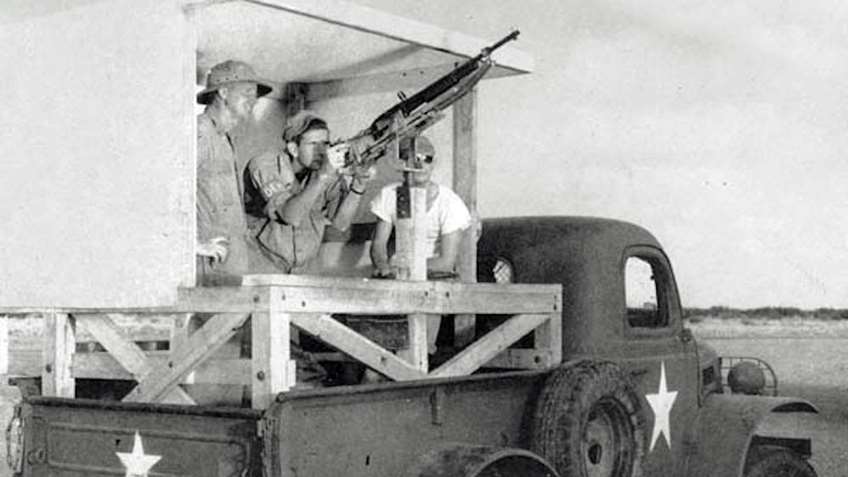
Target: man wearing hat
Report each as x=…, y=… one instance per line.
x=232, y=88
x=299, y=191
x=447, y=219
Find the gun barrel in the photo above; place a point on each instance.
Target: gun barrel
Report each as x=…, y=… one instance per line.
x=512, y=35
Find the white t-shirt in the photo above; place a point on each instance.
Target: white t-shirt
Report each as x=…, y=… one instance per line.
x=447, y=214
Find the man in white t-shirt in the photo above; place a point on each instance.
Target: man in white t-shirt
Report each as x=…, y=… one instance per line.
x=447, y=219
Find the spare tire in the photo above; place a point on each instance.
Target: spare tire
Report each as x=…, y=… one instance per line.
x=588, y=422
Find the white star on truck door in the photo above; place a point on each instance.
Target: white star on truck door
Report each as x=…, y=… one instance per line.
x=137, y=462
x=661, y=404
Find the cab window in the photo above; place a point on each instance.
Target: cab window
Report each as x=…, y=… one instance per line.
x=645, y=286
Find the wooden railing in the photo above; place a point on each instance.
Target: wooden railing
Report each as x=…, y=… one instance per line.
x=276, y=304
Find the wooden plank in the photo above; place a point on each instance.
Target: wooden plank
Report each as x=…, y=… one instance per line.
x=156, y=383
x=4, y=345
x=253, y=282
x=127, y=353
x=57, y=377
x=101, y=365
x=411, y=256
x=107, y=333
x=486, y=348
x=270, y=355
x=406, y=297
x=330, y=331
x=465, y=186
x=403, y=29
x=548, y=338
x=416, y=353
x=222, y=300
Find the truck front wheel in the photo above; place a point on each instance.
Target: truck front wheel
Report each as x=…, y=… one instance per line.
x=782, y=462
x=588, y=422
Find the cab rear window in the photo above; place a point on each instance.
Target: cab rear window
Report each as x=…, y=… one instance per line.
x=645, y=293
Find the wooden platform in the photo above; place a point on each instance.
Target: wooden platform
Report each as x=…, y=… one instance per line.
x=274, y=304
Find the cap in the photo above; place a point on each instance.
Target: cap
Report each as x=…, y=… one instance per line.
x=299, y=123
x=229, y=72
x=424, y=146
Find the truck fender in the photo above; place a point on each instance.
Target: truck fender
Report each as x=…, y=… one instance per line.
x=726, y=426
x=467, y=460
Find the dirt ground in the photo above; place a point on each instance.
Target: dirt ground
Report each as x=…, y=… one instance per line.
x=811, y=362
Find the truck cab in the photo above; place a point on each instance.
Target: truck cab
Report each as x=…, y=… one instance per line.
x=621, y=303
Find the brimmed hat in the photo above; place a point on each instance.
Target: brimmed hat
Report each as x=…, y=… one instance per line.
x=299, y=123
x=229, y=72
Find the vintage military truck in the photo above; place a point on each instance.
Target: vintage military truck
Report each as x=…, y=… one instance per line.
x=569, y=357
x=635, y=394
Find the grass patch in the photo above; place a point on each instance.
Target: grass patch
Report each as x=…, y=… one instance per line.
x=696, y=315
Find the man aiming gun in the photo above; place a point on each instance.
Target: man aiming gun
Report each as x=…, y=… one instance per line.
x=299, y=191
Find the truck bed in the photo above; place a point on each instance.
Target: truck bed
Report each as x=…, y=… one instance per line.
x=372, y=430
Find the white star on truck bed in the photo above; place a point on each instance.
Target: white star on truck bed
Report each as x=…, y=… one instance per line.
x=137, y=462
x=661, y=404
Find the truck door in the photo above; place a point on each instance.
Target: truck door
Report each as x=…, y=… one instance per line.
x=660, y=356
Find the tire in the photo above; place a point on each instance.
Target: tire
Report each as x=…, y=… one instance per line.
x=779, y=463
x=588, y=422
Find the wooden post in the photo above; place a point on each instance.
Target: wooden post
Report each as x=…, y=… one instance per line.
x=4, y=347
x=294, y=98
x=465, y=186
x=57, y=377
x=411, y=240
x=411, y=253
x=273, y=370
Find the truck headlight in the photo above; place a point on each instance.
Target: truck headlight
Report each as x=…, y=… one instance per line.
x=746, y=378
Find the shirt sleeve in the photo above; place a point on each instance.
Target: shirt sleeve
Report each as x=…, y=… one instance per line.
x=383, y=204
x=204, y=201
x=273, y=177
x=456, y=216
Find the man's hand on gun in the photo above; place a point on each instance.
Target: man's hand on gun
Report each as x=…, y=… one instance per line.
x=334, y=160
x=340, y=158
x=361, y=175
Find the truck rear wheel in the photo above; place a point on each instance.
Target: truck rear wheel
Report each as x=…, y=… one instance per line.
x=782, y=462
x=588, y=422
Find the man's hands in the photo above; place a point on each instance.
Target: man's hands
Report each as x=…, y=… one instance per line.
x=384, y=271
x=217, y=249
x=361, y=177
x=334, y=160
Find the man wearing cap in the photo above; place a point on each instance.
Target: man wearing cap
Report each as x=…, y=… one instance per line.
x=447, y=219
x=294, y=194
x=232, y=88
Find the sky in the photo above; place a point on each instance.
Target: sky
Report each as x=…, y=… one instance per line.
x=719, y=126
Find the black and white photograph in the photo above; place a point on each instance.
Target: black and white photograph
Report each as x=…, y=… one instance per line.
x=400, y=238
